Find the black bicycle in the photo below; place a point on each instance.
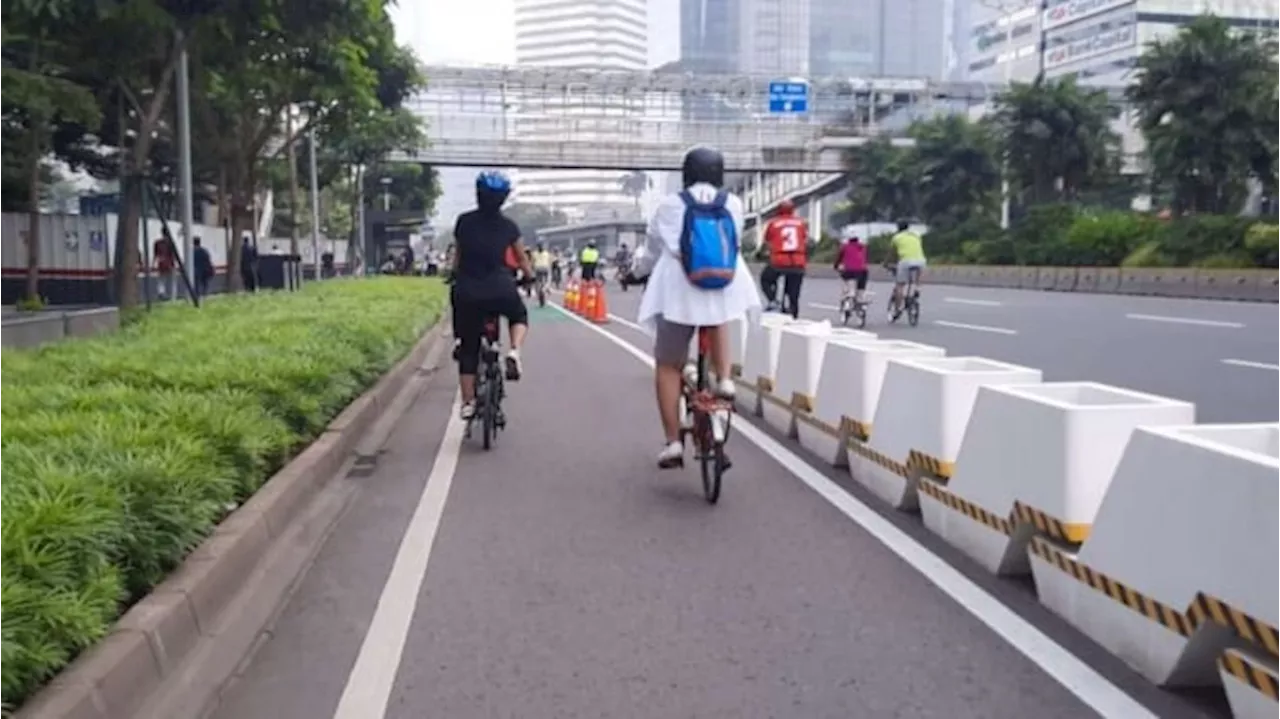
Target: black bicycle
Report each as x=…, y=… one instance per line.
x=490, y=387
x=708, y=422
x=910, y=297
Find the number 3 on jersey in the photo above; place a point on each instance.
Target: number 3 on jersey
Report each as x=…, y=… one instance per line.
x=790, y=238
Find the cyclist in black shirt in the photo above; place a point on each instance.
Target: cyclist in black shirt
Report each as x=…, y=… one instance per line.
x=489, y=249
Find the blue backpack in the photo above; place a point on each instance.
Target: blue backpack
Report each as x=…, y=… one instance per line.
x=709, y=242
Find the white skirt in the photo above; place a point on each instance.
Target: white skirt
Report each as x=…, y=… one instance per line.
x=671, y=296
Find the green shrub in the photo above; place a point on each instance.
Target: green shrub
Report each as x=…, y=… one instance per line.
x=1107, y=238
x=1262, y=242
x=1224, y=261
x=1147, y=254
x=122, y=452
x=1188, y=239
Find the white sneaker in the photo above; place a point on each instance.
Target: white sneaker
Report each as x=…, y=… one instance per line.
x=671, y=456
x=725, y=388
x=514, y=368
x=467, y=411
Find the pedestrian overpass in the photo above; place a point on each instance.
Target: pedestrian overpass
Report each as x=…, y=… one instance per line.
x=540, y=117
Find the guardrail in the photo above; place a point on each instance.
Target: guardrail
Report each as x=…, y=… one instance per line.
x=1239, y=285
x=31, y=329
x=1152, y=535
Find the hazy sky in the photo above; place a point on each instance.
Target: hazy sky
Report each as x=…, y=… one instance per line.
x=482, y=32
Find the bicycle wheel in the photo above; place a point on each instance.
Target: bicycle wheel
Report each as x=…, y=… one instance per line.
x=862, y=316
x=542, y=296
x=710, y=453
x=913, y=311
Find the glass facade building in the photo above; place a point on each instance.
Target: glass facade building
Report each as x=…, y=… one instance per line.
x=868, y=38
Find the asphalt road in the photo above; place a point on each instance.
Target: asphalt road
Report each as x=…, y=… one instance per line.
x=563, y=575
x=1223, y=356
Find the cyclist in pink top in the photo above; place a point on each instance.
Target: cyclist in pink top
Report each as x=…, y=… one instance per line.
x=851, y=263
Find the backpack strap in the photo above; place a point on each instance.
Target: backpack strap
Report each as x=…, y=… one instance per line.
x=687, y=199
x=721, y=197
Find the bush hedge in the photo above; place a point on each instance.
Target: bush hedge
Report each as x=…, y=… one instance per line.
x=121, y=453
x=1066, y=235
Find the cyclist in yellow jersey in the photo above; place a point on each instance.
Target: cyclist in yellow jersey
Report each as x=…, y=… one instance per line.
x=590, y=260
x=906, y=251
x=541, y=264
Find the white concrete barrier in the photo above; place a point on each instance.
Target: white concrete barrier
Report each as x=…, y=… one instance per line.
x=801, y=350
x=1181, y=563
x=869, y=363
x=759, y=360
x=1045, y=451
x=930, y=399
x=824, y=421
x=1250, y=681
x=737, y=346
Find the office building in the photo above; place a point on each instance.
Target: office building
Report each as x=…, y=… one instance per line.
x=901, y=38
x=583, y=34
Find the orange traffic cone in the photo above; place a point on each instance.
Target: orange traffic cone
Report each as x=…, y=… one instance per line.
x=587, y=307
x=571, y=296
x=601, y=314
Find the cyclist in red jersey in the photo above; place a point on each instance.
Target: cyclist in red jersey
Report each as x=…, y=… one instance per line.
x=787, y=238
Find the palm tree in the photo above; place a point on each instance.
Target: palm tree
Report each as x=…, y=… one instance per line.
x=1206, y=102
x=1057, y=139
x=956, y=170
x=633, y=185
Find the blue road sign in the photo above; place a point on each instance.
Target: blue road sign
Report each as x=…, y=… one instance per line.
x=788, y=96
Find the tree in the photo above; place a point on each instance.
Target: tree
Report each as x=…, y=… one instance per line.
x=531, y=218
x=882, y=182
x=955, y=169
x=408, y=186
x=38, y=95
x=1206, y=101
x=261, y=59
x=633, y=185
x=1056, y=140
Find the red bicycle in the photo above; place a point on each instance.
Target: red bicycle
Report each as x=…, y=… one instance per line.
x=708, y=421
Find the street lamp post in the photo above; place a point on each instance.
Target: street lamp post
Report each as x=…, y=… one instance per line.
x=1006, y=8
x=386, y=193
x=315, y=206
x=184, y=168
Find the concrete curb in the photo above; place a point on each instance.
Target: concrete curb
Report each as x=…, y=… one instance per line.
x=167, y=639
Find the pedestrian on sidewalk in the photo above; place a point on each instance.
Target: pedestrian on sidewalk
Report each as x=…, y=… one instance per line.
x=202, y=267
x=249, y=264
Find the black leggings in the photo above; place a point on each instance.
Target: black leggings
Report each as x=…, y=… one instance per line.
x=791, y=278
x=469, y=315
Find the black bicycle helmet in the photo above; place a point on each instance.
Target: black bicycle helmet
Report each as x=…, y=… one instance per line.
x=703, y=164
x=903, y=225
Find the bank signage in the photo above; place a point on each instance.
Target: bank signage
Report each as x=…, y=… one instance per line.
x=1099, y=44
x=1072, y=10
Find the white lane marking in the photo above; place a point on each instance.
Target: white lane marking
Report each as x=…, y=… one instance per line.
x=371, y=679
x=976, y=328
x=1249, y=363
x=628, y=323
x=1079, y=678
x=1185, y=321
x=965, y=301
x=821, y=306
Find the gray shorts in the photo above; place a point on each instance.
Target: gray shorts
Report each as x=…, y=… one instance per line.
x=671, y=343
x=904, y=269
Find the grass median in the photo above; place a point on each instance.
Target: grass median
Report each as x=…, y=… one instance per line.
x=121, y=453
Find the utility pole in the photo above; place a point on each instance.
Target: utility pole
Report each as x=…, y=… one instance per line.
x=294, y=200
x=184, y=164
x=315, y=206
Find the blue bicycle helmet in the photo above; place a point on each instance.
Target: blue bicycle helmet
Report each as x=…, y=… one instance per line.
x=492, y=189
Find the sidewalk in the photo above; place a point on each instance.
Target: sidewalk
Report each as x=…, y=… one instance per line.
x=570, y=578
